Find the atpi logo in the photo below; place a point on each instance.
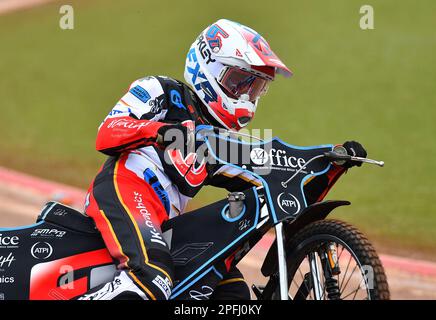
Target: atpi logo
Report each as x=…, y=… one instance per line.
x=41, y=250
x=288, y=203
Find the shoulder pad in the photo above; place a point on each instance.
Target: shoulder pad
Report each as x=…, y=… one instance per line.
x=145, y=96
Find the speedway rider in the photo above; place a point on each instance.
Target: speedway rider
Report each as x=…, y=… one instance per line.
x=143, y=183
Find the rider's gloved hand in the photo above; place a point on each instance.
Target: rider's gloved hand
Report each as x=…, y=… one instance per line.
x=354, y=149
x=178, y=135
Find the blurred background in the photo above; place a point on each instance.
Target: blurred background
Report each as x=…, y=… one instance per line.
x=375, y=86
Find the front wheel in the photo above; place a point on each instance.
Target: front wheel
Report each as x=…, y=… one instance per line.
x=332, y=260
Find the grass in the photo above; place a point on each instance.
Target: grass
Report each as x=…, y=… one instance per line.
x=375, y=86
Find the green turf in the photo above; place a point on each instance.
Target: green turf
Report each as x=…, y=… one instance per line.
x=376, y=86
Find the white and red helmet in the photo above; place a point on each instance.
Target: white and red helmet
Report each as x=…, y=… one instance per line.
x=230, y=66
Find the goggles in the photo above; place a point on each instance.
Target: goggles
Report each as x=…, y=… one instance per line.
x=238, y=82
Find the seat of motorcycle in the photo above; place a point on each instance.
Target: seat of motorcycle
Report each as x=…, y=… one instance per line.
x=66, y=217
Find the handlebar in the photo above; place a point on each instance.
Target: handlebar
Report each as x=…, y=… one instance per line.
x=338, y=155
x=335, y=157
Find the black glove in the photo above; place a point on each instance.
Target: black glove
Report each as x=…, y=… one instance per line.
x=176, y=135
x=354, y=149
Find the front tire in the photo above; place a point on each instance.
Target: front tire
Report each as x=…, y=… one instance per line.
x=358, y=272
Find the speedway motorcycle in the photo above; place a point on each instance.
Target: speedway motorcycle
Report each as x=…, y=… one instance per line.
x=62, y=255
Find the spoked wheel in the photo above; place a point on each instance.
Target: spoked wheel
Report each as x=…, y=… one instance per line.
x=331, y=260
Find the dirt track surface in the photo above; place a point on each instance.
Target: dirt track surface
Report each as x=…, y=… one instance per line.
x=19, y=206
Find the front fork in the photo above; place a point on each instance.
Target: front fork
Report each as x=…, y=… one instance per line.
x=316, y=276
x=327, y=256
x=283, y=268
x=329, y=262
x=330, y=267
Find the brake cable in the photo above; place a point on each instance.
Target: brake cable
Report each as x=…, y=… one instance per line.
x=285, y=183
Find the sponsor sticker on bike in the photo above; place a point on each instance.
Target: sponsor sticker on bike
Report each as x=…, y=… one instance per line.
x=6, y=280
x=9, y=242
x=276, y=159
x=288, y=203
x=60, y=212
x=6, y=261
x=48, y=233
x=41, y=250
x=259, y=156
x=203, y=293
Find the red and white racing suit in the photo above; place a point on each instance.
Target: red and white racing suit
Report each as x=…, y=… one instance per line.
x=140, y=186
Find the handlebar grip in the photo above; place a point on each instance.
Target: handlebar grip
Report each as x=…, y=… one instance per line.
x=334, y=156
x=338, y=157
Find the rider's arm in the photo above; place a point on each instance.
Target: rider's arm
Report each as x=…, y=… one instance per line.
x=134, y=121
x=317, y=187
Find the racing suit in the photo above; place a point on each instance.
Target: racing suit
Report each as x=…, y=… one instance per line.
x=141, y=185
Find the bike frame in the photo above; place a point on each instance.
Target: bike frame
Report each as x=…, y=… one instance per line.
x=289, y=225
x=278, y=226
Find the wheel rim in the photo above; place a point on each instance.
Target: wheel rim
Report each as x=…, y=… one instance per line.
x=354, y=281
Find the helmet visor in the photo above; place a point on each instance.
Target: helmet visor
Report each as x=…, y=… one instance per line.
x=238, y=82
